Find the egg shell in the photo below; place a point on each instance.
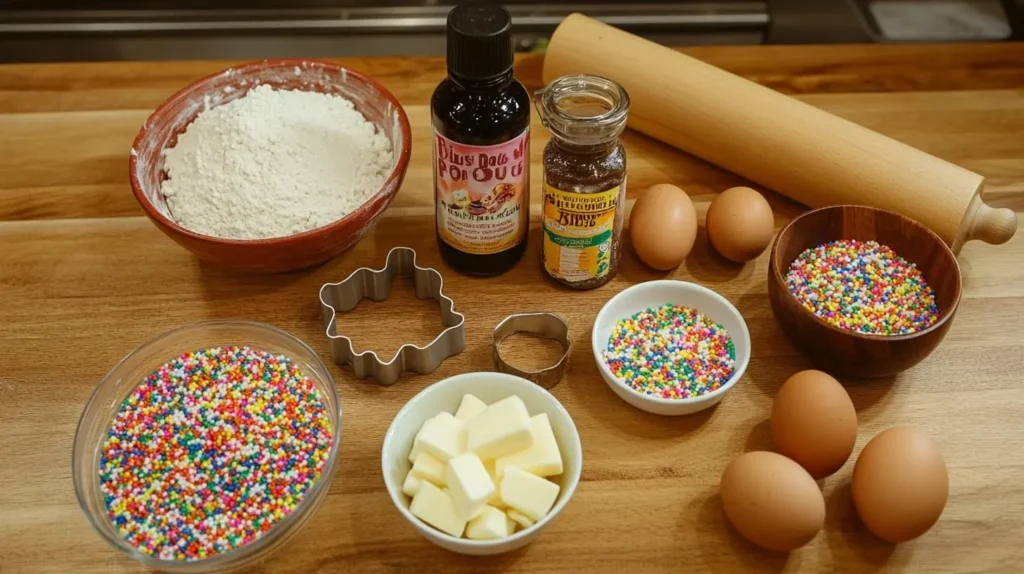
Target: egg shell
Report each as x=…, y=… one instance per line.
x=663, y=226
x=740, y=224
x=900, y=484
x=772, y=501
x=814, y=422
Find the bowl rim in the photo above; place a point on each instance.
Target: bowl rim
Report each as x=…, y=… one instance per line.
x=780, y=278
x=246, y=551
x=396, y=492
x=397, y=173
x=738, y=371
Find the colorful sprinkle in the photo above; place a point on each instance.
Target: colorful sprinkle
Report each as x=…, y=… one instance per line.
x=672, y=352
x=211, y=450
x=863, y=286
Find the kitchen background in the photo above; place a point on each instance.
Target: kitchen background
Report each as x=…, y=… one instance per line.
x=73, y=30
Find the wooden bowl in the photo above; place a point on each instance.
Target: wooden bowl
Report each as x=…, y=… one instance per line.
x=844, y=353
x=277, y=254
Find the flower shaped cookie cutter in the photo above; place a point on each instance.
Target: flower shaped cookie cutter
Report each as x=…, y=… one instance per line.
x=376, y=284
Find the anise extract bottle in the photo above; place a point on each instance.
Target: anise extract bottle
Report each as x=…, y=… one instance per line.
x=481, y=119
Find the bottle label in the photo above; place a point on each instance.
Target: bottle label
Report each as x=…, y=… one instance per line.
x=483, y=194
x=578, y=233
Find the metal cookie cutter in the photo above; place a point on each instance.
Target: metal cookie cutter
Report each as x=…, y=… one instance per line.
x=547, y=325
x=376, y=284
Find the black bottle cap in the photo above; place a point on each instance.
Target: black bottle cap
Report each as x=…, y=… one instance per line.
x=479, y=41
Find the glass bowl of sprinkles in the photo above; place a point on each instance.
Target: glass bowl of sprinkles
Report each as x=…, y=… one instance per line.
x=208, y=447
x=862, y=292
x=670, y=347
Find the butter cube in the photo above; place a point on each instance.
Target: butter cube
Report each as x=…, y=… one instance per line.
x=503, y=428
x=436, y=508
x=469, y=485
x=429, y=468
x=469, y=408
x=528, y=494
x=542, y=458
x=491, y=524
x=511, y=524
x=443, y=437
x=416, y=449
x=495, y=500
x=411, y=485
x=519, y=518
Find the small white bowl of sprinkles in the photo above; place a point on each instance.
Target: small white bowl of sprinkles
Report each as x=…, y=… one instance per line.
x=670, y=347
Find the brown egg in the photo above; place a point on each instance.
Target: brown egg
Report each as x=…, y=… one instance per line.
x=663, y=226
x=900, y=484
x=772, y=501
x=740, y=224
x=814, y=422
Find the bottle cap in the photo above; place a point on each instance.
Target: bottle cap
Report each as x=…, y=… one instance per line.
x=479, y=41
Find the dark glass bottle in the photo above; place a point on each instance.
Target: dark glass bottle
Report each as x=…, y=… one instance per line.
x=481, y=119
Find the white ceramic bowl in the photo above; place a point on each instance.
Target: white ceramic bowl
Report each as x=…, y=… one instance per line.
x=489, y=387
x=654, y=294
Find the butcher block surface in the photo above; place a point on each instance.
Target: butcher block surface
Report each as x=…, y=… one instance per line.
x=85, y=278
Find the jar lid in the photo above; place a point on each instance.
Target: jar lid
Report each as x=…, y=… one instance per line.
x=479, y=41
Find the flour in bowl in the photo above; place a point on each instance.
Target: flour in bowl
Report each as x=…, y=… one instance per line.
x=274, y=163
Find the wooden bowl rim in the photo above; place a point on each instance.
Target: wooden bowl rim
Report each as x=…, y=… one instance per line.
x=780, y=277
x=242, y=70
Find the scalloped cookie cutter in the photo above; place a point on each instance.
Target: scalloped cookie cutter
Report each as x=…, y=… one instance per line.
x=376, y=284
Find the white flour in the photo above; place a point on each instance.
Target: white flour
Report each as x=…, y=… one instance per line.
x=274, y=163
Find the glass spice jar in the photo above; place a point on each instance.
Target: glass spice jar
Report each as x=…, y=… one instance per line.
x=584, y=179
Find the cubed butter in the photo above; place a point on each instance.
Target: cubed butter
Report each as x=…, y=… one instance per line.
x=436, y=508
x=429, y=468
x=444, y=438
x=519, y=518
x=469, y=485
x=542, y=458
x=411, y=485
x=489, y=525
x=495, y=500
x=511, y=525
x=416, y=449
x=469, y=408
x=503, y=428
x=528, y=494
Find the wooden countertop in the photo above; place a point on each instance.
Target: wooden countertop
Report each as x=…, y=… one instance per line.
x=84, y=278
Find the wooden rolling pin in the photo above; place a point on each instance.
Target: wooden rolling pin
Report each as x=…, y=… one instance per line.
x=807, y=154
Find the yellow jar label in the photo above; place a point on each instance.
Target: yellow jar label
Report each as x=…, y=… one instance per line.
x=578, y=232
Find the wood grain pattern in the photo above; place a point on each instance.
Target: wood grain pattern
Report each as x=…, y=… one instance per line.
x=788, y=69
x=846, y=353
x=85, y=277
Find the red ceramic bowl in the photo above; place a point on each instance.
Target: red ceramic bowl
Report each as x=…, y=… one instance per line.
x=278, y=254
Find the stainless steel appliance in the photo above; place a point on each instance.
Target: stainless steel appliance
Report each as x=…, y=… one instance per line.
x=75, y=30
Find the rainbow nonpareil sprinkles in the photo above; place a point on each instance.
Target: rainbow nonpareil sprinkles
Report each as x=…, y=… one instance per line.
x=862, y=286
x=211, y=450
x=672, y=352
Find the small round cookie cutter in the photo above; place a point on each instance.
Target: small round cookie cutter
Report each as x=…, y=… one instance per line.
x=547, y=325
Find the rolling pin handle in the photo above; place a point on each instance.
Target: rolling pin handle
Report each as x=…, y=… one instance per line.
x=993, y=226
